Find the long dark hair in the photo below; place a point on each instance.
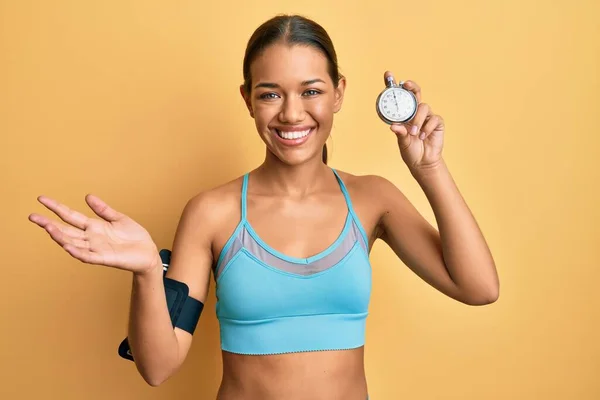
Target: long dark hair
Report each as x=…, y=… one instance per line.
x=291, y=29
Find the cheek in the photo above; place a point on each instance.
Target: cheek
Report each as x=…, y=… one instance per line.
x=264, y=114
x=322, y=111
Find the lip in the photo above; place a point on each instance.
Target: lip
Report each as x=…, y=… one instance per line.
x=293, y=142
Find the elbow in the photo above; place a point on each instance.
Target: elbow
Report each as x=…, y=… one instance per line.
x=154, y=381
x=481, y=301
x=482, y=297
x=154, y=378
x=156, y=369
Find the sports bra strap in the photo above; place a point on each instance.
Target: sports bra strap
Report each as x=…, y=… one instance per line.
x=244, y=196
x=344, y=191
x=351, y=208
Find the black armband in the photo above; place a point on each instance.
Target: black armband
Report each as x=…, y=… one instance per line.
x=184, y=310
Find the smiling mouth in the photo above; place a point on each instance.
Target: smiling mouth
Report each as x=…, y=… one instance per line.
x=293, y=134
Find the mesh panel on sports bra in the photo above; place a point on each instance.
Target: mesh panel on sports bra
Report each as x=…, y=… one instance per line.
x=245, y=240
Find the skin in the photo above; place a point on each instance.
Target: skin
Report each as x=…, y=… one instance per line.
x=296, y=206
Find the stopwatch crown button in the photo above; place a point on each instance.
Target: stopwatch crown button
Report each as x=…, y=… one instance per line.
x=389, y=81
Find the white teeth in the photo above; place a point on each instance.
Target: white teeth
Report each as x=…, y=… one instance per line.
x=293, y=135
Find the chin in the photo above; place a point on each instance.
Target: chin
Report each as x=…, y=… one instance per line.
x=294, y=158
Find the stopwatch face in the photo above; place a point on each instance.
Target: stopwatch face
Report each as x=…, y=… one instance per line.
x=396, y=105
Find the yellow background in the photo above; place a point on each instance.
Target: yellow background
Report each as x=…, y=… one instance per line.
x=137, y=101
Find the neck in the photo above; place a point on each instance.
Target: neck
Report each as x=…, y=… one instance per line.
x=295, y=180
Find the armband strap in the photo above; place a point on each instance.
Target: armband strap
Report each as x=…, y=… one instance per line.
x=184, y=310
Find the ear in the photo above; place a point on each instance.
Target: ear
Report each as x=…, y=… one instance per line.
x=339, y=95
x=246, y=98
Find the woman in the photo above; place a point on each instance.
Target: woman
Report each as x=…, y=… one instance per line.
x=288, y=243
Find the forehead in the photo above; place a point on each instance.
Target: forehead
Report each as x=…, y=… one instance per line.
x=284, y=63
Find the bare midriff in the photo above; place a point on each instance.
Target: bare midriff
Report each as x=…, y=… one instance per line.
x=319, y=375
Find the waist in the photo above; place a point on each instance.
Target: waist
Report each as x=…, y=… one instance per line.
x=315, y=375
x=293, y=334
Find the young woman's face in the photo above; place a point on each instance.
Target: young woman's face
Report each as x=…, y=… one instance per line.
x=292, y=101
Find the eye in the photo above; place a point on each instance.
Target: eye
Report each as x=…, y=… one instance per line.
x=312, y=92
x=268, y=96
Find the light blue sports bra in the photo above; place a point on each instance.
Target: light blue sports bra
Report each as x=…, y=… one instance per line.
x=270, y=303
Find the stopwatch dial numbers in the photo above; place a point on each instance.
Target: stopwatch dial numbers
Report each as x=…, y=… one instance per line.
x=397, y=105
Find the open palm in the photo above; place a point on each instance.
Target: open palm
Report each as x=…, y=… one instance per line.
x=113, y=240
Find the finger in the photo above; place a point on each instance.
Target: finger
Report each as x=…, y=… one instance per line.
x=39, y=220
x=431, y=123
x=43, y=222
x=65, y=213
x=399, y=129
x=422, y=112
x=413, y=87
x=60, y=233
x=84, y=255
x=62, y=238
x=102, y=209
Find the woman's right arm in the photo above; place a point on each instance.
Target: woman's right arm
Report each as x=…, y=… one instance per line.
x=158, y=349
x=117, y=241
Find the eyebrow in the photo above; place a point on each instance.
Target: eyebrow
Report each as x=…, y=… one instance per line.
x=275, y=86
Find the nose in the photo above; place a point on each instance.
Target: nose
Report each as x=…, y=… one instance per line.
x=292, y=110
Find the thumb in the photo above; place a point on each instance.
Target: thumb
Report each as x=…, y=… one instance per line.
x=102, y=209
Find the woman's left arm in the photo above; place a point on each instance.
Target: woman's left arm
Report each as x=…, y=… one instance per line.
x=455, y=258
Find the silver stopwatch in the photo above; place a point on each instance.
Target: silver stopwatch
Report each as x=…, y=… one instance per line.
x=396, y=104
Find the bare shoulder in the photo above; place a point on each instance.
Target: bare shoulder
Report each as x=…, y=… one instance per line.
x=203, y=221
x=373, y=188
x=215, y=206
x=372, y=197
